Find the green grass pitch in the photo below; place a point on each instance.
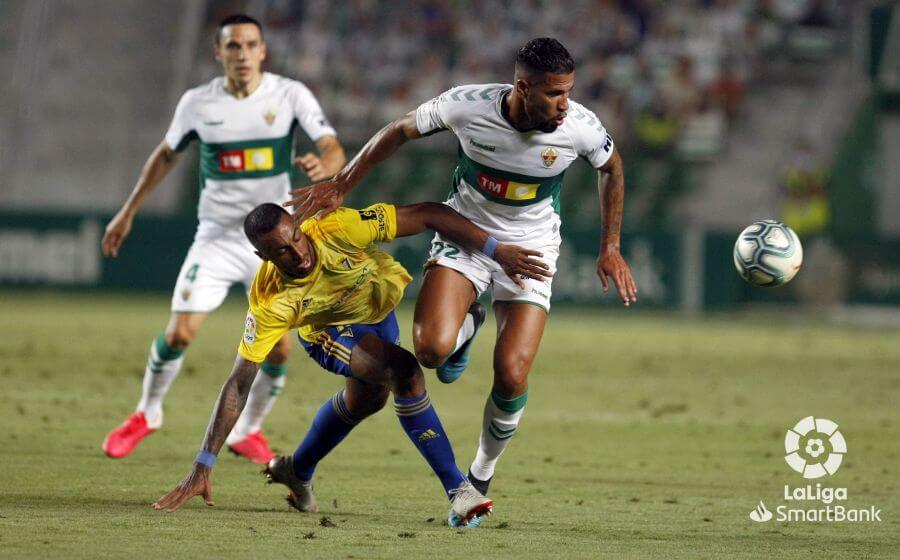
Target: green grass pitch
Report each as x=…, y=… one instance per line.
x=646, y=435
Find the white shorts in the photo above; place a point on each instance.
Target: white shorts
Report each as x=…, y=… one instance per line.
x=210, y=269
x=487, y=275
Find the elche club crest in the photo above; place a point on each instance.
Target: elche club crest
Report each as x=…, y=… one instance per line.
x=270, y=116
x=549, y=155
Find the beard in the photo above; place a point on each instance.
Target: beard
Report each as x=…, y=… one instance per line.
x=545, y=125
x=548, y=126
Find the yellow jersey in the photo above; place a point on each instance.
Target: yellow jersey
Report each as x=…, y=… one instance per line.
x=352, y=281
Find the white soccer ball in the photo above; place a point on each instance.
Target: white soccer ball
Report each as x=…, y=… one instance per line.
x=768, y=253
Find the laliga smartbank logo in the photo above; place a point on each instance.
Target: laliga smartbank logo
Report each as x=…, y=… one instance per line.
x=815, y=448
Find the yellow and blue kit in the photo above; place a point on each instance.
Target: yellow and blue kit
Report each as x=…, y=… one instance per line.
x=351, y=291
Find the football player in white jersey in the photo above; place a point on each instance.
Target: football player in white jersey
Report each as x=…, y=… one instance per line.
x=516, y=141
x=245, y=123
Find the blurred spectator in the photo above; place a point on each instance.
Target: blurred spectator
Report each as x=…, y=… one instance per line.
x=656, y=128
x=702, y=135
x=728, y=90
x=680, y=91
x=806, y=206
x=817, y=14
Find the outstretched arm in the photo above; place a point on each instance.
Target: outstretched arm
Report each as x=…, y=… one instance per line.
x=325, y=197
x=610, y=263
x=515, y=261
x=228, y=408
x=157, y=166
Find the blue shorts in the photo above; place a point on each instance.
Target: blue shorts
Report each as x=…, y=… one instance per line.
x=333, y=347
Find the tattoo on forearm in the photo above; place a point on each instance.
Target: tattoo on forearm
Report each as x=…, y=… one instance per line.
x=229, y=406
x=612, y=202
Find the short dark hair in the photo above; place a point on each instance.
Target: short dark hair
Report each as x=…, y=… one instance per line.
x=545, y=54
x=261, y=220
x=235, y=19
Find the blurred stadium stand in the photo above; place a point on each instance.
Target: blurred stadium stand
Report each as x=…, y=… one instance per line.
x=726, y=111
x=93, y=86
x=690, y=90
x=686, y=88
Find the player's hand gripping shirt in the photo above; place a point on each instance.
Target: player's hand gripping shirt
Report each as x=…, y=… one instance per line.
x=352, y=281
x=246, y=145
x=508, y=182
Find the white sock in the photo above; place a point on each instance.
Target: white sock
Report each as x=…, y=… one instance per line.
x=501, y=417
x=466, y=331
x=263, y=394
x=163, y=366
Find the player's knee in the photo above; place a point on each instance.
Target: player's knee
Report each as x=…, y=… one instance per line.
x=406, y=375
x=379, y=400
x=432, y=350
x=511, y=373
x=281, y=352
x=404, y=367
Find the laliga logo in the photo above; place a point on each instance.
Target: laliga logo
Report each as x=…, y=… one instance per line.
x=814, y=447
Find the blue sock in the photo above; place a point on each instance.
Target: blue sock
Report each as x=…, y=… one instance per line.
x=330, y=426
x=423, y=427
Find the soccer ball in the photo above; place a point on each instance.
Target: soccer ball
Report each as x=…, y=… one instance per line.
x=768, y=253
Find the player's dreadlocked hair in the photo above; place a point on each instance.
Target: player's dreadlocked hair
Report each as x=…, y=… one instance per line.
x=544, y=54
x=261, y=220
x=235, y=19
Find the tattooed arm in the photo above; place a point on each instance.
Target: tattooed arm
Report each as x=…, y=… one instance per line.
x=231, y=402
x=610, y=263
x=232, y=399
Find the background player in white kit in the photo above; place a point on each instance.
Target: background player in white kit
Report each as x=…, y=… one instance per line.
x=516, y=141
x=245, y=124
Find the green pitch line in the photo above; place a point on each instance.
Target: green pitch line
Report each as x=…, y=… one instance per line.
x=644, y=436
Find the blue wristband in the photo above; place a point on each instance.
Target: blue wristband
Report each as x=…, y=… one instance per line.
x=205, y=458
x=490, y=246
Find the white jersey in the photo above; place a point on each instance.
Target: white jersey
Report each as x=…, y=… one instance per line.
x=246, y=145
x=508, y=182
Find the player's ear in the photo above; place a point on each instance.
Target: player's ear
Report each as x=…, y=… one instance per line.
x=263, y=51
x=522, y=87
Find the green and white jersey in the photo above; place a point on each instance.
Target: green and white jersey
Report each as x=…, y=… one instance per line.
x=246, y=145
x=508, y=182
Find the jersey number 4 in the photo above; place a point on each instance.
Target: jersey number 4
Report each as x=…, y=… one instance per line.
x=191, y=274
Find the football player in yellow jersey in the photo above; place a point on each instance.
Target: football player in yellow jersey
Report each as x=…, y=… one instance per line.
x=329, y=280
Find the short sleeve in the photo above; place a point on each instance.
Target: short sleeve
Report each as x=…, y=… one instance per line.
x=262, y=331
x=593, y=142
x=182, y=129
x=361, y=228
x=430, y=115
x=455, y=108
x=309, y=113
